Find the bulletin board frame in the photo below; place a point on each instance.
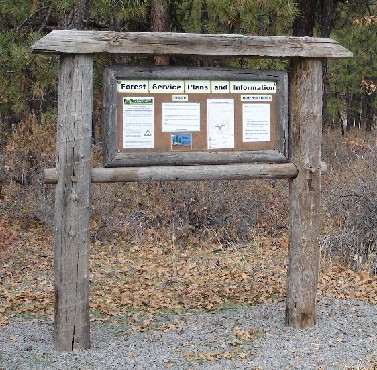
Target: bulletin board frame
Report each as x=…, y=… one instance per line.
x=198, y=151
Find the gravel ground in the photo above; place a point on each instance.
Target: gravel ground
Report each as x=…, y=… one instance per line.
x=345, y=337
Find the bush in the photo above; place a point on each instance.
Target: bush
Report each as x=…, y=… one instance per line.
x=24, y=196
x=188, y=213
x=350, y=200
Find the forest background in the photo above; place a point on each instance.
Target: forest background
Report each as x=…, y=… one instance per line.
x=202, y=244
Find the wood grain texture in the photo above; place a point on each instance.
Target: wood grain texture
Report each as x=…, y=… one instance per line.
x=72, y=203
x=169, y=43
x=194, y=73
x=190, y=158
x=282, y=114
x=109, y=119
x=186, y=173
x=305, y=192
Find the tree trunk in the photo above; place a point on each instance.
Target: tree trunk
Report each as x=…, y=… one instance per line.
x=327, y=9
x=204, y=17
x=160, y=23
x=304, y=23
x=368, y=112
x=80, y=15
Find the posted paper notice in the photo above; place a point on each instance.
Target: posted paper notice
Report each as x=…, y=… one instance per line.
x=256, y=122
x=138, y=123
x=180, y=117
x=220, y=123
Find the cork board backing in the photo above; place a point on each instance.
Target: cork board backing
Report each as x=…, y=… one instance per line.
x=162, y=140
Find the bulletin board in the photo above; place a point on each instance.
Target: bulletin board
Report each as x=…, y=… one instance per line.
x=188, y=111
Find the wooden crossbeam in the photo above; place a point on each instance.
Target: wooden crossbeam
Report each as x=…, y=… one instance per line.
x=170, y=43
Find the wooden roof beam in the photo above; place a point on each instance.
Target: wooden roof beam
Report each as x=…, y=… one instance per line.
x=169, y=43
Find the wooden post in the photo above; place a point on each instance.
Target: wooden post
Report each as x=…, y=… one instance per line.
x=305, y=191
x=72, y=202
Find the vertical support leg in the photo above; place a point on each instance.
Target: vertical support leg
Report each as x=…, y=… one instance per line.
x=72, y=202
x=305, y=191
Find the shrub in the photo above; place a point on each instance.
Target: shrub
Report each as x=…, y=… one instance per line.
x=182, y=213
x=29, y=149
x=350, y=200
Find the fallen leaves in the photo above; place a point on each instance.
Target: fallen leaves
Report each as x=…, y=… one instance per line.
x=343, y=283
x=152, y=278
x=218, y=355
x=245, y=335
x=7, y=235
x=182, y=279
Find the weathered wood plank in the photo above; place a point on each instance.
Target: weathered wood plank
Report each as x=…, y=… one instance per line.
x=283, y=124
x=305, y=192
x=168, y=43
x=190, y=158
x=199, y=73
x=186, y=173
x=109, y=119
x=72, y=203
x=251, y=171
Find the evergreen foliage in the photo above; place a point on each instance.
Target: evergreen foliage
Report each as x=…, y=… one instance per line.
x=28, y=82
x=252, y=17
x=352, y=82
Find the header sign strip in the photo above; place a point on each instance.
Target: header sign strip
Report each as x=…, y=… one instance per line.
x=195, y=86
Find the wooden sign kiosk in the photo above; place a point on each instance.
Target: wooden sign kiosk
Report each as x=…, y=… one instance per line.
x=74, y=173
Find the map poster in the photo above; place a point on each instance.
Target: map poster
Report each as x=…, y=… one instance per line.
x=220, y=123
x=255, y=122
x=138, y=122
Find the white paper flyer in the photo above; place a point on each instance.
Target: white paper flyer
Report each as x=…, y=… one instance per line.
x=138, y=122
x=256, y=122
x=180, y=117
